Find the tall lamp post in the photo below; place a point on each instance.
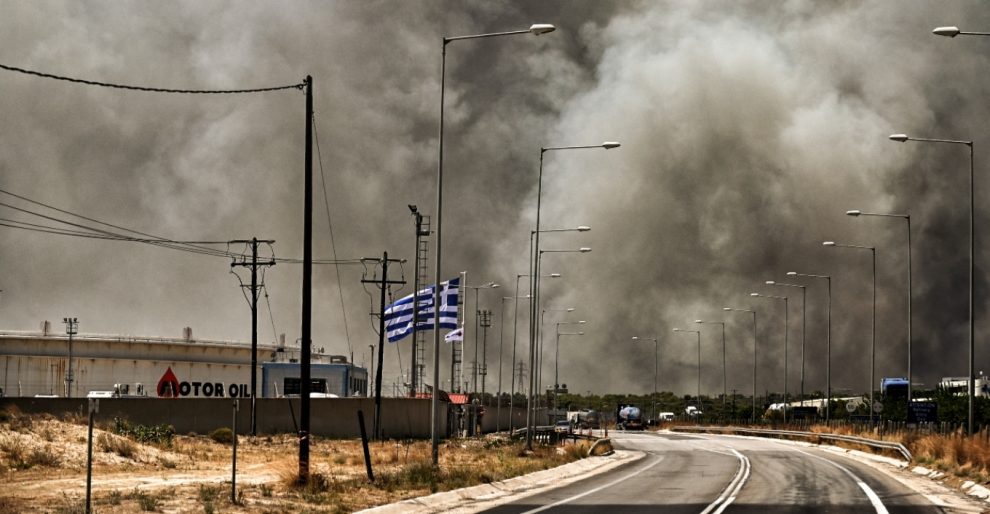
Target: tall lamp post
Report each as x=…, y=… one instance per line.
x=698, y=333
x=907, y=218
x=515, y=327
x=901, y=138
x=536, y=368
x=725, y=390
x=534, y=327
x=828, y=341
x=477, y=312
x=656, y=369
x=556, y=360
x=804, y=324
x=873, y=351
x=536, y=29
x=535, y=272
x=731, y=309
x=501, y=333
x=784, y=298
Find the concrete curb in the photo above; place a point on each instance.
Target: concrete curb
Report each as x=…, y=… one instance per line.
x=485, y=496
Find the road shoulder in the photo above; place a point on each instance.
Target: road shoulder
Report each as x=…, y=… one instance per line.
x=486, y=496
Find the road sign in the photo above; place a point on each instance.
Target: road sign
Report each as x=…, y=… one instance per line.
x=922, y=412
x=850, y=407
x=877, y=407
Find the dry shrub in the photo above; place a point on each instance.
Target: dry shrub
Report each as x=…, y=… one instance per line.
x=114, y=444
x=44, y=456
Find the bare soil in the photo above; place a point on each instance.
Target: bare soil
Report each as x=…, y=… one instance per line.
x=43, y=463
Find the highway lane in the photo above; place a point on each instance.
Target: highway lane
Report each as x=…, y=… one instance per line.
x=712, y=474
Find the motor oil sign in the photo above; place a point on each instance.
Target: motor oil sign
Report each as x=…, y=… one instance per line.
x=169, y=386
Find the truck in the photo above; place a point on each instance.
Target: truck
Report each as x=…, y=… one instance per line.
x=629, y=417
x=584, y=419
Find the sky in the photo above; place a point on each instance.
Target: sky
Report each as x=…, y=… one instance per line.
x=748, y=128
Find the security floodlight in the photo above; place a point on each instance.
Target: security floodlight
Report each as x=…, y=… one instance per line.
x=853, y=213
x=828, y=243
x=412, y=208
x=899, y=137
x=555, y=275
x=583, y=228
x=946, y=31
x=608, y=145
x=541, y=28
x=584, y=250
x=792, y=273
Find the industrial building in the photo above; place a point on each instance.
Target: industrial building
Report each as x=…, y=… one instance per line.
x=48, y=364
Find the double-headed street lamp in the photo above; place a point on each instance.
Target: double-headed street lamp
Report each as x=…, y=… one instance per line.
x=828, y=342
x=538, y=365
x=901, y=138
x=804, y=324
x=873, y=352
x=698, y=333
x=656, y=368
x=784, y=298
x=725, y=386
x=537, y=29
x=731, y=309
x=515, y=326
x=907, y=218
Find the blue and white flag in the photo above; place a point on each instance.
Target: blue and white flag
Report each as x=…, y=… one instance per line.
x=399, y=315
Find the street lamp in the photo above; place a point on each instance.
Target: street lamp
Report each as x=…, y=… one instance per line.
x=954, y=31
x=533, y=326
x=501, y=333
x=907, y=218
x=477, y=307
x=725, y=390
x=972, y=238
x=804, y=324
x=730, y=309
x=784, y=298
x=536, y=29
x=535, y=267
x=828, y=342
x=515, y=326
x=537, y=366
x=698, y=333
x=873, y=357
x=556, y=360
x=656, y=368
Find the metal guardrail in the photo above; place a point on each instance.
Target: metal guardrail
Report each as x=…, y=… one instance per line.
x=887, y=445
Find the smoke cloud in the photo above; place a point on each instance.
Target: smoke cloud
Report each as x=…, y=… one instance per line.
x=747, y=130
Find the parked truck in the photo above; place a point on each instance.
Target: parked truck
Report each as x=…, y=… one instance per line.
x=584, y=419
x=629, y=417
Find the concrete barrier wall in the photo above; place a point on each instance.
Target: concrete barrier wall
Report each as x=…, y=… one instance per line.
x=489, y=422
x=330, y=417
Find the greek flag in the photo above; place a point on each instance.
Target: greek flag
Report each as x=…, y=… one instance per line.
x=399, y=315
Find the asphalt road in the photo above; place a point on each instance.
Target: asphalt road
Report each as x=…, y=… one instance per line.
x=711, y=474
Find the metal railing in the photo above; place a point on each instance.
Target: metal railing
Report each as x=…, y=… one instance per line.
x=873, y=443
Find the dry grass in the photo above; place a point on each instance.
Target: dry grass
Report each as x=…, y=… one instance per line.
x=193, y=473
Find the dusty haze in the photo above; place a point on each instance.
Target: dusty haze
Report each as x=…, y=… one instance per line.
x=747, y=130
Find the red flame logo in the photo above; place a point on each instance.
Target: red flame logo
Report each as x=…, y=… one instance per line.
x=168, y=386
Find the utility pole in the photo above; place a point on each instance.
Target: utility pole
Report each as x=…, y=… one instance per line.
x=383, y=285
x=71, y=327
x=307, y=292
x=254, y=288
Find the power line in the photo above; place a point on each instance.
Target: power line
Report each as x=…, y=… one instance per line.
x=147, y=88
x=333, y=246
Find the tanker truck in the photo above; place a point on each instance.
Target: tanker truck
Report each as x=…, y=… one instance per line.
x=629, y=417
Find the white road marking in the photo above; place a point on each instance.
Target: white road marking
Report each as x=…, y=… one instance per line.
x=874, y=499
x=729, y=493
x=595, y=490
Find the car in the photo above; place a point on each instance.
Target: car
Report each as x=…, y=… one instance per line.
x=563, y=426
